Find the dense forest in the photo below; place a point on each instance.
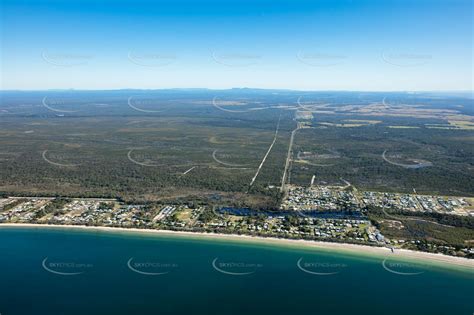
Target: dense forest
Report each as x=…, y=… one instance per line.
x=207, y=145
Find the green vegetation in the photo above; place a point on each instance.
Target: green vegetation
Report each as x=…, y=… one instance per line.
x=207, y=215
x=55, y=207
x=355, y=154
x=13, y=204
x=429, y=229
x=194, y=152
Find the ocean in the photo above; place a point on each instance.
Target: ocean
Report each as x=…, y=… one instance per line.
x=49, y=272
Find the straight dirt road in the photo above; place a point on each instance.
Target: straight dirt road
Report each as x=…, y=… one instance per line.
x=266, y=155
x=288, y=158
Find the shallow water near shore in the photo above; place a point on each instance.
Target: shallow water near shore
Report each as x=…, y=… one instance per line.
x=53, y=271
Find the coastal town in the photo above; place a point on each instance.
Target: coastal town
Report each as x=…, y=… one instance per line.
x=325, y=213
x=344, y=198
x=115, y=214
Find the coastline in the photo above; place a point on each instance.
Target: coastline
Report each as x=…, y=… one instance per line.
x=439, y=260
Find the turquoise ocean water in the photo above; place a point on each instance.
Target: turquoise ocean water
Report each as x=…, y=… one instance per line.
x=44, y=271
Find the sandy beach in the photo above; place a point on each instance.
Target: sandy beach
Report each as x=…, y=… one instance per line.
x=352, y=249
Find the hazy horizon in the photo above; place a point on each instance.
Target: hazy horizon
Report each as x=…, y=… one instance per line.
x=364, y=45
x=240, y=88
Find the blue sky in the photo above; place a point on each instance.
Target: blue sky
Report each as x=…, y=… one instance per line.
x=370, y=45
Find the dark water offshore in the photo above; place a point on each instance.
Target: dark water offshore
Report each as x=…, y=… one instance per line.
x=44, y=271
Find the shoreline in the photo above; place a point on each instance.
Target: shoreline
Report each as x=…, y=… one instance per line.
x=328, y=247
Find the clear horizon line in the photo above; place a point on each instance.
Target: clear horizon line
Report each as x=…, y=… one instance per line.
x=235, y=88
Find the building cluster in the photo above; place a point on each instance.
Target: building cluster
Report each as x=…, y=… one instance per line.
x=360, y=230
x=343, y=229
x=164, y=213
x=353, y=230
x=336, y=198
x=21, y=210
x=352, y=227
x=422, y=203
x=85, y=212
x=320, y=198
x=75, y=212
